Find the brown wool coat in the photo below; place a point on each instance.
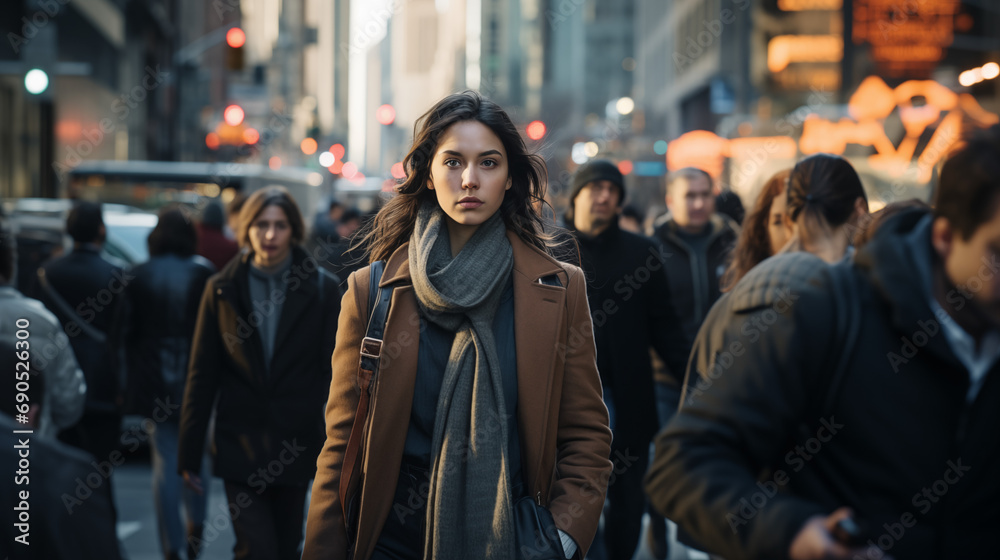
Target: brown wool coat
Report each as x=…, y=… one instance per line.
x=562, y=420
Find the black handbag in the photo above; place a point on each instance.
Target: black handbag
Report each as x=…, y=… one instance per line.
x=535, y=534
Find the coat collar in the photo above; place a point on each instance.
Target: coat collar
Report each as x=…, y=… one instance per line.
x=529, y=261
x=538, y=317
x=299, y=295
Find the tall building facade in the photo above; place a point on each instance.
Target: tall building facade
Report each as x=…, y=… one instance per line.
x=109, y=68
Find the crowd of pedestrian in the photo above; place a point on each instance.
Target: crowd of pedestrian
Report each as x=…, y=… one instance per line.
x=463, y=375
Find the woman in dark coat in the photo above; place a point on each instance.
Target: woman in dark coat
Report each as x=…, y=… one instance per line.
x=156, y=321
x=488, y=390
x=266, y=330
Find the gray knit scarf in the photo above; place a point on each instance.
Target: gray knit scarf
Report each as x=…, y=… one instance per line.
x=469, y=511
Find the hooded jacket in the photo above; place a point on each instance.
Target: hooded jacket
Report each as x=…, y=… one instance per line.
x=900, y=444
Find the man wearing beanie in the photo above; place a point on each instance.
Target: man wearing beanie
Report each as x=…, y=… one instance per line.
x=632, y=311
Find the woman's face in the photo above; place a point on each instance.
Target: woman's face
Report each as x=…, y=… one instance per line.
x=779, y=230
x=469, y=175
x=271, y=236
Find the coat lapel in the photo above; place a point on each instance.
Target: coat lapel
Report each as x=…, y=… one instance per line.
x=296, y=302
x=237, y=294
x=537, y=321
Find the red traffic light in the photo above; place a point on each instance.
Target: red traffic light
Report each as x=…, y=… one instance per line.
x=236, y=38
x=536, y=130
x=233, y=115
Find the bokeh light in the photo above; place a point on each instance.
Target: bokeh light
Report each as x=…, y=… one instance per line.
x=233, y=115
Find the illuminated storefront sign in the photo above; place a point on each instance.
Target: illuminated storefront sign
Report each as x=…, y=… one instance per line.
x=907, y=37
x=805, y=5
x=786, y=49
x=871, y=104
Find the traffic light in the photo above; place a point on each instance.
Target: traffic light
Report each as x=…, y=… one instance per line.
x=233, y=115
x=36, y=81
x=235, y=39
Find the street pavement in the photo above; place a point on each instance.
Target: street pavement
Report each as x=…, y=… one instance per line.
x=137, y=532
x=137, y=517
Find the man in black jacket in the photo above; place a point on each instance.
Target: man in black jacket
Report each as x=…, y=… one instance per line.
x=793, y=421
x=83, y=290
x=700, y=242
x=631, y=307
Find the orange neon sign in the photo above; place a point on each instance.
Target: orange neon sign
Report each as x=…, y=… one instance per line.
x=708, y=151
x=874, y=101
x=905, y=37
x=805, y=5
x=786, y=49
x=871, y=104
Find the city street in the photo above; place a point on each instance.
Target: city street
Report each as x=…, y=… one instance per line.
x=137, y=520
x=502, y=276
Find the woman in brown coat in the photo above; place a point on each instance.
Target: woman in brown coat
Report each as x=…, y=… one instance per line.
x=488, y=389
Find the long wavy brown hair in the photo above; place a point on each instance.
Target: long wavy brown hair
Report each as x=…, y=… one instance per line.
x=754, y=243
x=394, y=223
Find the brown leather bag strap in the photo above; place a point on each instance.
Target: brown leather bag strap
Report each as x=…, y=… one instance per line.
x=379, y=300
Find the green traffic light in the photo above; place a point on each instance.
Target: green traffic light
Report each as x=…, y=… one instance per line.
x=36, y=81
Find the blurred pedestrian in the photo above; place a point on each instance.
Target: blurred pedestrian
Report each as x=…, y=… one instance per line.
x=700, y=243
x=51, y=356
x=764, y=232
x=347, y=255
x=866, y=393
x=83, y=289
x=335, y=211
x=262, y=346
x=729, y=204
x=155, y=325
x=233, y=209
x=478, y=414
x=631, y=219
x=827, y=205
x=213, y=244
x=883, y=215
x=633, y=308
x=48, y=519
